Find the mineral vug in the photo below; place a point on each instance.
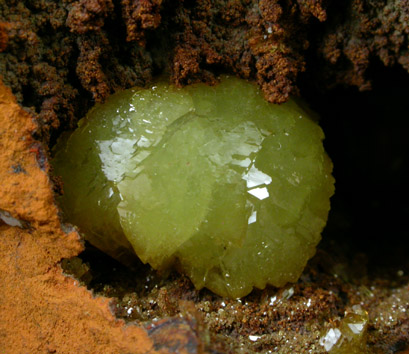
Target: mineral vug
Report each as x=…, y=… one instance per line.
x=231, y=190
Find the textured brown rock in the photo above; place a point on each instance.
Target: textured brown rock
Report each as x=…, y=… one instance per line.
x=3, y=37
x=97, y=48
x=140, y=16
x=361, y=33
x=61, y=52
x=88, y=15
x=41, y=310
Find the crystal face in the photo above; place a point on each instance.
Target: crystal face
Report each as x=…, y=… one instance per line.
x=351, y=335
x=215, y=181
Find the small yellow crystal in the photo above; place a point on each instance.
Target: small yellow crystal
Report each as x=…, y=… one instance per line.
x=350, y=336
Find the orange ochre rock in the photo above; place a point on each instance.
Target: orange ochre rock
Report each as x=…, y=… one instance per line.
x=41, y=309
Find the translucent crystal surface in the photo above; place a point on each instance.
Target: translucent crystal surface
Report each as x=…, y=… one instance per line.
x=350, y=336
x=231, y=190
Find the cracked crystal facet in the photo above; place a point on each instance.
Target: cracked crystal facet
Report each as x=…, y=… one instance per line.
x=230, y=189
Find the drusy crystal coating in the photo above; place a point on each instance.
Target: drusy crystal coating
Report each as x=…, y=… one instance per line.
x=215, y=181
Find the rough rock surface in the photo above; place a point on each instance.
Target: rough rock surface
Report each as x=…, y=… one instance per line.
x=359, y=34
x=56, y=53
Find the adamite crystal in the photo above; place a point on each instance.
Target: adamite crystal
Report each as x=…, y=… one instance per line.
x=230, y=189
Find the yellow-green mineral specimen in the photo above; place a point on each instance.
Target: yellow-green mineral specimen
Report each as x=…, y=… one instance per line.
x=231, y=190
x=351, y=335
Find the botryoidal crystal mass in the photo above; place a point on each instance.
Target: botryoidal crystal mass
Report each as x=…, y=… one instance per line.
x=213, y=180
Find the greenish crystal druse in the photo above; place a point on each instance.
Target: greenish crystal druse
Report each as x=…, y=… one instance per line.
x=231, y=190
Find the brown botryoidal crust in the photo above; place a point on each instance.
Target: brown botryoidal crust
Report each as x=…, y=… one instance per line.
x=61, y=56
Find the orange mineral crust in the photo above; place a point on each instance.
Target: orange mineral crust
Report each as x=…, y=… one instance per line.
x=41, y=310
